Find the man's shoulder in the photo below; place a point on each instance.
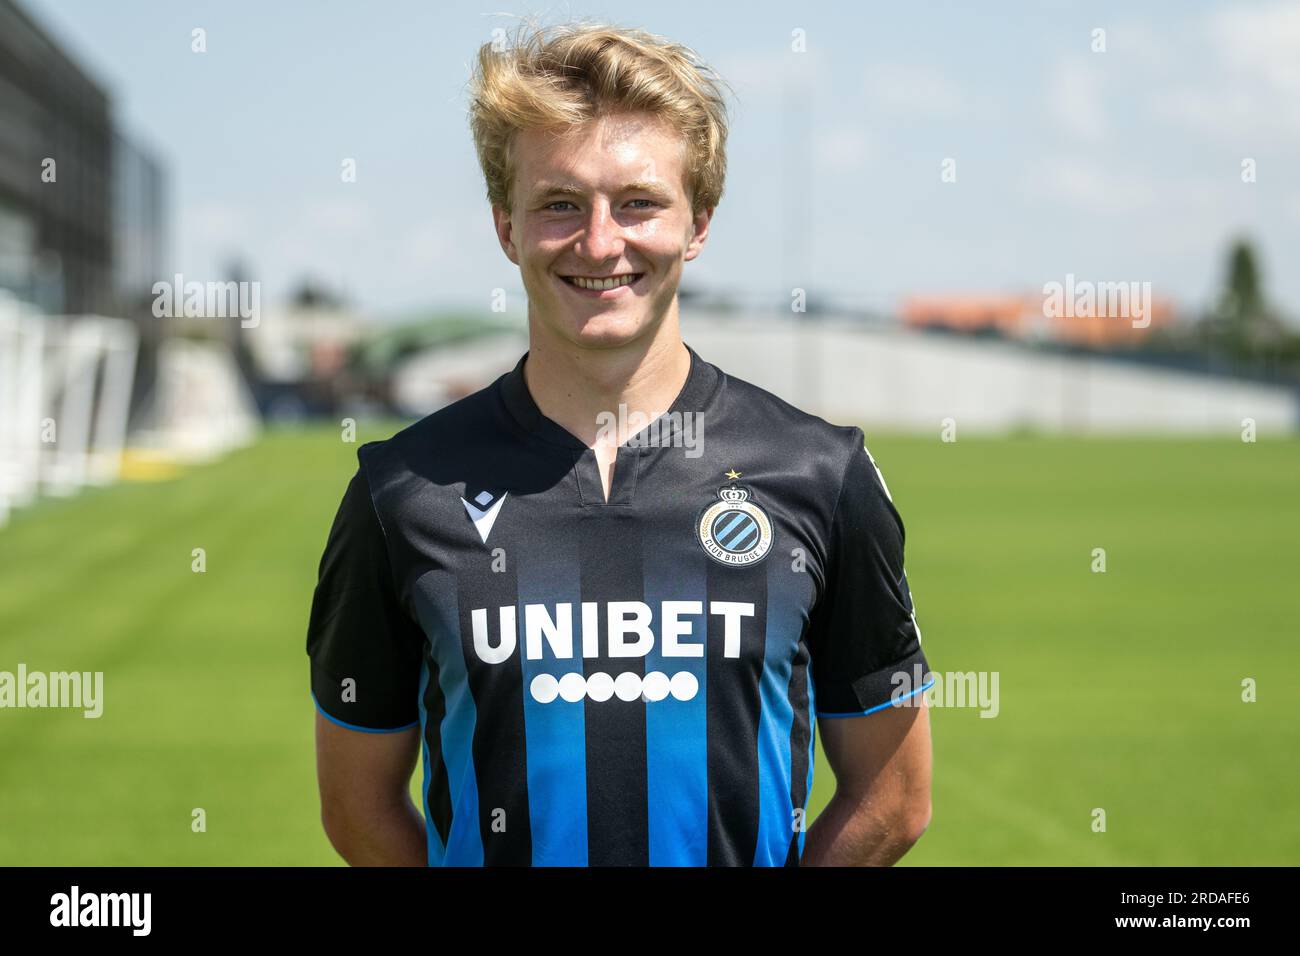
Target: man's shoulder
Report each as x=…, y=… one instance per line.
x=789, y=428
x=439, y=442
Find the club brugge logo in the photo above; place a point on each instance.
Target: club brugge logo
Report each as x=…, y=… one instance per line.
x=733, y=530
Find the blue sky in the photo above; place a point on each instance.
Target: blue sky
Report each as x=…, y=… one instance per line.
x=1115, y=165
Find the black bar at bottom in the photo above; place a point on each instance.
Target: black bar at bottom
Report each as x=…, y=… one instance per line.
x=875, y=907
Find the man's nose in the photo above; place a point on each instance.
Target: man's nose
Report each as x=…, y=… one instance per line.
x=602, y=236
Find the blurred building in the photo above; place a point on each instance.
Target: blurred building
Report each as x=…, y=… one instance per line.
x=1024, y=317
x=301, y=343
x=56, y=245
x=139, y=214
x=82, y=208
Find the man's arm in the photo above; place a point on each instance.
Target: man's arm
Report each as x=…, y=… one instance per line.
x=881, y=805
x=365, y=651
x=365, y=799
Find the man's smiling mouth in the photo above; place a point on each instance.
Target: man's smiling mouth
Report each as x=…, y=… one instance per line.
x=602, y=284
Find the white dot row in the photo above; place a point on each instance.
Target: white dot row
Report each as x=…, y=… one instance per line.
x=627, y=686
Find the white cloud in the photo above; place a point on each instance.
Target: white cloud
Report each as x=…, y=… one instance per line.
x=1262, y=44
x=1090, y=186
x=1074, y=98
x=216, y=222
x=767, y=76
x=1247, y=80
x=843, y=148
x=911, y=89
x=429, y=243
x=341, y=213
x=1133, y=41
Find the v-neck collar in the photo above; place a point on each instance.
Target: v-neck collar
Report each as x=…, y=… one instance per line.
x=701, y=381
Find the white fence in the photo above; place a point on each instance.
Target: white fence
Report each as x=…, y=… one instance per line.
x=65, y=393
x=200, y=407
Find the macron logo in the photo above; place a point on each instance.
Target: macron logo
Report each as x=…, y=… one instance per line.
x=483, y=511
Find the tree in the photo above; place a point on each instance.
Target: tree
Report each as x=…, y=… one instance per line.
x=1241, y=322
x=311, y=294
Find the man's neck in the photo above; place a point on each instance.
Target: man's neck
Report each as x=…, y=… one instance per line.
x=573, y=387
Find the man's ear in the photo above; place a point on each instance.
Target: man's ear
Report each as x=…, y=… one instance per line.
x=504, y=229
x=699, y=233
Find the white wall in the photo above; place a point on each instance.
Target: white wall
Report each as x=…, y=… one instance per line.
x=903, y=380
x=907, y=380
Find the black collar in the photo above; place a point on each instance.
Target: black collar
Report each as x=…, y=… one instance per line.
x=701, y=382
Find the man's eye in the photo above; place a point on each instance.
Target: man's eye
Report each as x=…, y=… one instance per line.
x=650, y=201
x=559, y=202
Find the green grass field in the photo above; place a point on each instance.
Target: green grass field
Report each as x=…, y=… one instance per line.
x=1119, y=691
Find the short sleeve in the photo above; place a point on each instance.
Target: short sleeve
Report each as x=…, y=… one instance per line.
x=365, y=649
x=863, y=637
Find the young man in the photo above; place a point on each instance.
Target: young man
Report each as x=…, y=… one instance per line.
x=608, y=635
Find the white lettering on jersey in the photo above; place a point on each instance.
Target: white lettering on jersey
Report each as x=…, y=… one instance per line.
x=628, y=624
x=485, y=651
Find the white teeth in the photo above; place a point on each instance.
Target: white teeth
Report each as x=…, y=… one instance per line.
x=601, y=284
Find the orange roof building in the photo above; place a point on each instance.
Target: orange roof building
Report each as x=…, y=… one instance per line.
x=1082, y=321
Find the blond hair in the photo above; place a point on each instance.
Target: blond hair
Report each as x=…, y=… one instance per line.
x=561, y=77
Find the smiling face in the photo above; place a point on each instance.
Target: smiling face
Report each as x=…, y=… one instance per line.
x=600, y=226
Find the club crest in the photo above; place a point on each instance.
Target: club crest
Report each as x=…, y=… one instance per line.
x=733, y=530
